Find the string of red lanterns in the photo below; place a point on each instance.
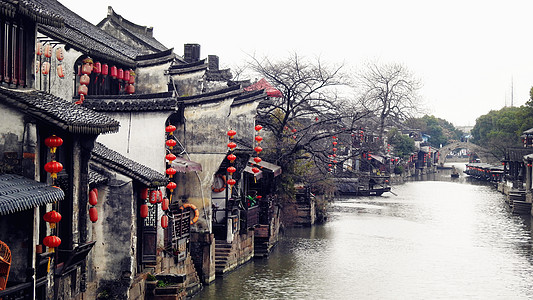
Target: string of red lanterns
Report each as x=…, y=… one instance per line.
x=170, y=157
x=52, y=217
x=257, y=149
x=231, y=157
x=93, y=200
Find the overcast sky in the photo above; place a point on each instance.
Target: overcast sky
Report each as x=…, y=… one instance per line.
x=467, y=54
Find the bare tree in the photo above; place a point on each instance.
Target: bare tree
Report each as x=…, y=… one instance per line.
x=390, y=90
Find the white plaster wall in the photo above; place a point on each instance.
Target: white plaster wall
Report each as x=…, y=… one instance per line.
x=151, y=79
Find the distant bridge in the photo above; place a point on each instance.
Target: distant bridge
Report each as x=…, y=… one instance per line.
x=482, y=153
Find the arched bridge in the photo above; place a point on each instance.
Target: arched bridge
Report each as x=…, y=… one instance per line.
x=482, y=153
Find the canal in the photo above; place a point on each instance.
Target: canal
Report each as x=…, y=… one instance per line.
x=442, y=238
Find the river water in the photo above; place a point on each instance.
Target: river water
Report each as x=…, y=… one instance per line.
x=442, y=238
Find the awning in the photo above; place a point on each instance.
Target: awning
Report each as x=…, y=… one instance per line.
x=18, y=193
x=377, y=157
x=264, y=85
x=184, y=165
x=275, y=169
x=257, y=175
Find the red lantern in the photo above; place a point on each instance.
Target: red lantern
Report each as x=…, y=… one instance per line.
x=334, y=149
x=329, y=165
x=52, y=217
x=258, y=149
x=171, y=186
x=52, y=242
x=257, y=160
x=258, y=139
x=333, y=137
x=113, y=72
x=144, y=211
x=85, y=79
x=144, y=193
x=47, y=51
x=87, y=66
x=170, y=157
x=232, y=145
x=93, y=197
x=258, y=127
x=45, y=68
x=38, y=49
x=60, y=71
x=170, y=129
x=231, y=170
x=164, y=221
x=256, y=170
x=130, y=89
x=127, y=76
x=231, y=133
x=154, y=195
x=171, y=171
x=105, y=69
x=120, y=74
x=97, y=68
x=170, y=143
x=294, y=130
x=82, y=90
x=231, y=181
x=159, y=196
x=53, y=167
x=232, y=158
x=132, y=77
x=334, y=143
x=53, y=142
x=93, y=214
x=165, y=204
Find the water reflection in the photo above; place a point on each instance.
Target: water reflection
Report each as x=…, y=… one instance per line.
x=443, y=239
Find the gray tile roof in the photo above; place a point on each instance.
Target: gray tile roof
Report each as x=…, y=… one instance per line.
x=218, y=95
x=128, y=167
x=156, y=58
x=248, y=97
x=180, y=69
x=87, y=37
x=59, y=112
x=136, y=102
x=34, y=11
x=96, y=178
x=18, y=193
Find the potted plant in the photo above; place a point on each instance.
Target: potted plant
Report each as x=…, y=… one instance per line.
x=151, y=283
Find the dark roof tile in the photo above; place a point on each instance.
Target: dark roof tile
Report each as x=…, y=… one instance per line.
x=136, y=102
x=66, y=115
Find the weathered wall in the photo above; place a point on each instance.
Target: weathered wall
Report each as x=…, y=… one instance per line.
x=190, y=84
x=11, y=135
x=151, y=79
x=17, y=234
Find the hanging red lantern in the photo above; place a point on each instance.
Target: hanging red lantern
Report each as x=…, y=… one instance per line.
x=144, y=193
x=334, y=143
x=171, y=186
x=87, y=66
x=171, y=143
x=52, y=217
x=258, y=138
x=154, y=195
x=170, y=172
x=132, y=77
x=59, y=53
x=294, y=130
x=105, y=69
x=258, y=127
x=231, y=181
x=329, y=165
x=170, y=157
x=53, y=142
x=38, y=49
x=143, y=213
x=113, y=72
x=256, y=170
x=165, y=204
x=164, y=221
x=258, y=149
x=232, y=133
x=333, y=137
x=231, y=158
x=97, y=68
x=130, y=89
x=170, y=129
x=93, y=214
x=45, y=68
x=294, y=137
x=93, y=197
x=85, y=79
x=334, y=149
x=52, y=242
x=60, y=71
x=47, y=51
x=120, y=74
x=127, y=76
x=257, y=159
x=232, y=145
x=231, y=170
x=53, y=167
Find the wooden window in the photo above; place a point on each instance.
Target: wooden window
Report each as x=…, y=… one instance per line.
x=13, y=50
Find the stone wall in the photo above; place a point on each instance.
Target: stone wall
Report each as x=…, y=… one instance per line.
x=202, y=251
